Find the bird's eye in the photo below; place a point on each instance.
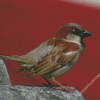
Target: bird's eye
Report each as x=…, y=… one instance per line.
x=74, y=30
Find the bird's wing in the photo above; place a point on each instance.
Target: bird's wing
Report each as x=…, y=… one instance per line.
x=62, y=53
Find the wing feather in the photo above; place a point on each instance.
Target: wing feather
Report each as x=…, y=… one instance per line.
x=57, y=58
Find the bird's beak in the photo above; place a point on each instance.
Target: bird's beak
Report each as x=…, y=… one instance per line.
x=86, y=34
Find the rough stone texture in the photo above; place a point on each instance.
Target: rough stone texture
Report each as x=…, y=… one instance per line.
x=36, y=93
x=4, y=77
x=10, y=92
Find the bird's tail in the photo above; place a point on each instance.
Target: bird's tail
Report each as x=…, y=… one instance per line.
x=11, y=57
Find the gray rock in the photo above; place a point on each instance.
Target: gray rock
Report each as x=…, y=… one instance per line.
x=11, y=92
x=4, y=77
x=36, y=93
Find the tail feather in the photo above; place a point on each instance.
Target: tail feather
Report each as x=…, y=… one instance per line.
x=13, y=58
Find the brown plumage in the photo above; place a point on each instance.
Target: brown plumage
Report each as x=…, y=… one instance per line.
x=56, y=56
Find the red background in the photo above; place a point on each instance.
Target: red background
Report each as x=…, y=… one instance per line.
x=25, y=24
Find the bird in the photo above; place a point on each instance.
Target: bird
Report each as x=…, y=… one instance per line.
x=55, y=56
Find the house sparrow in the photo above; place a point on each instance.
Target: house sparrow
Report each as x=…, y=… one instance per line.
x=56, y=56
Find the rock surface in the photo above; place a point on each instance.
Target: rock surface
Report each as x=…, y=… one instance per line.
x=4, y=77
x=36, y=93
x=10, y=92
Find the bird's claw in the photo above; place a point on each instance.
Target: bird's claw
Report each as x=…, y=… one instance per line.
x=64, y=84
x=66, y=89
x=44, y=84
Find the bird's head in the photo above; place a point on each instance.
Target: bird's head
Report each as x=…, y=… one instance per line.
x=73, y=32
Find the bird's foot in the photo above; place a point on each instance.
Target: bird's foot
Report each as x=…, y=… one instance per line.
x=66, y=89
x=44, y=84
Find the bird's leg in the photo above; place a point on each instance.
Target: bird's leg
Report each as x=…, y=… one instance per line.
x=62, y=86
x=49, y=84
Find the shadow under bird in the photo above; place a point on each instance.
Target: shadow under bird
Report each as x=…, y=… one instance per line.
x=56, y=56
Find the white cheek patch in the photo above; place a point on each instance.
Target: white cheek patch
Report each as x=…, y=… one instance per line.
x=73, y=38
x=71, y=53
